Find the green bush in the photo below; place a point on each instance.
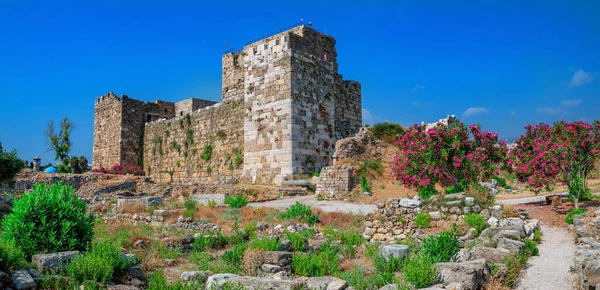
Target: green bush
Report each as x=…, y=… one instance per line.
x=202, y=259
x=49, y=219
x=300, y=212
x=420, y=271
x=158, y=281
x=514, y=265
x=388, y=132
x=389, y=265
x=236, y=201
x=10, y=165
x=297, y=241
x=427, y=192
x=531, y=247
x=250, y=229
x=422, y=220
x=266, y=244
x=324, y=262
x=441, y=247
x=99, y=264
x=190, y=204
x=359, y=280
x=569, y=217
x=11, y=256
x=351, y=237
x=235, y=255
x=214, y=241
x=476, y=221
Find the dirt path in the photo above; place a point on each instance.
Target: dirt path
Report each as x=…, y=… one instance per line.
x=324, y=205
x=550, y=269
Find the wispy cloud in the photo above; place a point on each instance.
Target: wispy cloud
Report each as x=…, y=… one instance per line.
x=367, y=116
x=551, y=111
x=418, y=87
x=571, y=103
x=581, y=77
x=474, y=111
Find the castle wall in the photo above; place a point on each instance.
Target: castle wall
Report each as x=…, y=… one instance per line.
x=267, y=101
x=190, y=105
x=107, y=131
x=232, y=77
x=179, y=146
x=348, y=109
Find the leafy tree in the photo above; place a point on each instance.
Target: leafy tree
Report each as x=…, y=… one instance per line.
x=10, y=165
x=60, y=142
x=565, y=152
x=449, y=155
x=388, y=132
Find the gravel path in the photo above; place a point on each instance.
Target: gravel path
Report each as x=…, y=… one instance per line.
x=550, y=269
x=324, y=205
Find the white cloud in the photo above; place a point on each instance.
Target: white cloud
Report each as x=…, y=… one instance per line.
x=551, y=111
x=581, y=77
x=367, y=116
x=571, y=103
x=474, y=111
x=418, y=87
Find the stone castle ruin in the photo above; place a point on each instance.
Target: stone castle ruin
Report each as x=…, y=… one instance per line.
x=284, y=105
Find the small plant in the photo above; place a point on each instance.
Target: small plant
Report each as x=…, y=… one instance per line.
x=351, y=238
x=178, y=163
x=441, y=247
x=388, y=132
x=49, y=219
x=237, y=161
x=236, y=201
x=235, y=255
x=211, y=203
x=531, y=247
x=537, y=236
x=188, y=119
x=214, y=241
x=176, y=146
x=300, y=212
x=476, y=221
x=221, y=134
x=158, y=281
x=265, y=244
x=427, y=192
x=364, y=183
x=569, y=217
x=206, y=153
x=324, y=262
x=11, y=256
x=208, y=170
x=420, y=271
x=389, y=265
x=422, y=220
x=514, y=265
x=190, y=204
x=297, y=241
x=99, y=264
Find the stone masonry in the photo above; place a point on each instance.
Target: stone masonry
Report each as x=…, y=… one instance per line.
x=335, y=180
x=284, y=105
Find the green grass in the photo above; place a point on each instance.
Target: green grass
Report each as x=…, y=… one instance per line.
x=422, y=220
x=569, y=217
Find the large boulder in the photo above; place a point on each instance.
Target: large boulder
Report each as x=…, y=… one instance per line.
x=22, y=280
x=54, y=261
x=218, y=280
x=513, y=246
x=470, y=274
x=255, y=283
x=322, y=283
x=489, y=254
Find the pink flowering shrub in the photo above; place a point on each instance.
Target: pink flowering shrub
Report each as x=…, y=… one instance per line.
x=564, y=153
x=121, y=170
x=454, y=155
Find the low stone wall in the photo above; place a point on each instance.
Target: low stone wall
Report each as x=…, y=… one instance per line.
x=587, y=255
x=395, y=218
x=334, y=181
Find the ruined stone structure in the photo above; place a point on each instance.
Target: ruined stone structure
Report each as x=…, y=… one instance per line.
x=284, y=105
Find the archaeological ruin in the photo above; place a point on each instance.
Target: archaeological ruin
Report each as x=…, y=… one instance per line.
x=284, y=105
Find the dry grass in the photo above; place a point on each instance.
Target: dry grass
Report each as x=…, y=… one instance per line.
x=251, y=261
x=509, y=211
x=339, y=220
x=494, y=283
x=132, y=207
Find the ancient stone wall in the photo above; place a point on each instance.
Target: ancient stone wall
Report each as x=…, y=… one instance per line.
x=232, y=77
x=107, y=131
x=335, y=180
x=348, y=109
x=206, y=147
x=190, y=105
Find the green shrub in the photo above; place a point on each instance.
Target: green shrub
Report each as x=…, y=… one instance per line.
x=476, y=221
x=188, y=213
x=427, y=192
x=190, y=204
x=420, y=271
x=11, y=256
x=300, y=212
x=235, y=255
x=514, y=265
x=537, y=236
x=441, y=247
x=266, y=244
x=202, y=259
x=213, y=241
x=211, y=203
x=359, y=280
x=351, y=238
x=389, y=265
x=297, y=241
x=364, y=183
x=250, y=229
x=324, y=262
x=49, y=219
x=501, y=181
x=99, y=264
x=10, y=165
x=372, y=249
x=308, y=233
x=569, y=217
x=206, y=153
x=531, y=247
x=422, y=220
x=388, y=132
x=158, y=281
x=236, y=201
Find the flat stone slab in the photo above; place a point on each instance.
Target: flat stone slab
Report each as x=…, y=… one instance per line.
x=324, y=205
x=54, y=261
x=396, y=251
x=203, y=199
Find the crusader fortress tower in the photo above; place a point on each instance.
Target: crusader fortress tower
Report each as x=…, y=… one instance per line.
x=283, y=107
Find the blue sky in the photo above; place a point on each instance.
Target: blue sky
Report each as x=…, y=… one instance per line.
x=502, y=65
